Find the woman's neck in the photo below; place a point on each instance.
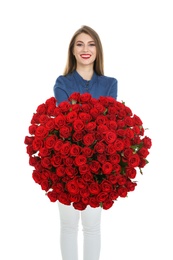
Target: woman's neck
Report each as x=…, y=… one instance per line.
x=85, y=73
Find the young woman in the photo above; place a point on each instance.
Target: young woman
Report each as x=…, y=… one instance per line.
x=84, y=72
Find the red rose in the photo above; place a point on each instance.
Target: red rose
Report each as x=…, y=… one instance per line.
x=111, y=149
x=64, y=107
x=129, y=133
x=133, y=160
x=71, y=116
x=94, y=166
x=85, y=117
x=36, y=176
x=85, y=97
x=74, y=198
x=65, y=132
x=80, y=160
x=101, y=120
x=78, y=125
x=107, y=204
x=35, y=118
x=102, y=196
x=147, y=142
x=85, y=193
x=102, y=158
x=143, y=152
x=94, y=112
x=51, y=101
x=53, y=196
x=50, y=125
x=93, y=202
x=113, y=178
x=58, y=145
x=45, y=185
x=72, y=187
x=37, y=144
x=41, y=132
x=64, y=198
x=87, y=151
x=114, y=158
x=33, y=161
x=94, y=188
x=106, y=186
x=56, y=160
x=58, y=187
x=32, y=129
x=111, y=124
x=46, y=162
x=100, y=107
x=77, y=136
x=71, y=171
x=90, y=126
x=121, y=179
x=137, y=120
x=68, y=161
x=81, y=183
x=74, y=96
x=113, y=195
x=107, y=168
x=127, y=153
x=131, y=172
x=75, y=150
x=119, y=144
x=87, y=177
x=79, y=205
x=41, y=109
x=60, y=171
x=84, y=168
x=43, y=119
x=99, y=147
x=59, y=121
x=50, y=141
x=120, y=123
x=110, y=137
x=130, y=185
x=65, y=148
x=117, y=168
x=129, y=121
x=122, y=192
x=142, y=162
x=89, y=139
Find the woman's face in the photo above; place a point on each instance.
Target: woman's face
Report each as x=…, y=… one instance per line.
x=84, y=50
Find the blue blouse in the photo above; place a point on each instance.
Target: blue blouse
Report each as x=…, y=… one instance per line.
x=97, y=86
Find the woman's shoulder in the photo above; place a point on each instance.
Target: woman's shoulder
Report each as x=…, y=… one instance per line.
x=62, y=78
x=105, y=79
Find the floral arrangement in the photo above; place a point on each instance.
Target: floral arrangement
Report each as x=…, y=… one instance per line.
x=86, y=151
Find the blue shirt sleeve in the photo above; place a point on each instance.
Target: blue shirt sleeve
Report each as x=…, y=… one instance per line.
x=59, y=90
x=114, y=89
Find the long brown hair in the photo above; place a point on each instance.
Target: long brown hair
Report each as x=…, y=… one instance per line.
x=71, y=60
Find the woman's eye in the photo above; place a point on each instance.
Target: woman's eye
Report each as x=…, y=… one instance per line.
x=79, y=44
x=92, y=44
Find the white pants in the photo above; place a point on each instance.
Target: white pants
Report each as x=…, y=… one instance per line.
x=69, y=220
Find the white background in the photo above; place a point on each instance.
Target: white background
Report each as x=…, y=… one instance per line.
x=137, y=40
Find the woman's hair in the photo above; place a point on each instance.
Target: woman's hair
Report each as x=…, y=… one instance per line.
x=71, y=60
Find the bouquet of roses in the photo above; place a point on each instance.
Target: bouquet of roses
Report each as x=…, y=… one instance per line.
x=86, y=151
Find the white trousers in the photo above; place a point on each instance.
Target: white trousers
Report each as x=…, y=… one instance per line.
x=69, y=221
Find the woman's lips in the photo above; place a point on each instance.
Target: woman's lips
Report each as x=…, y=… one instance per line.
x=85, y=56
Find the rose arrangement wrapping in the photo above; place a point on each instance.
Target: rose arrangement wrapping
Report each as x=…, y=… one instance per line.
x=86, y=151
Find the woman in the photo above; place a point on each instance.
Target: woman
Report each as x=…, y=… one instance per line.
x=84, y=72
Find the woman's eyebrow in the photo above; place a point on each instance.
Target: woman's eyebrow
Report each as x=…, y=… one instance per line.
x=88, y=41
